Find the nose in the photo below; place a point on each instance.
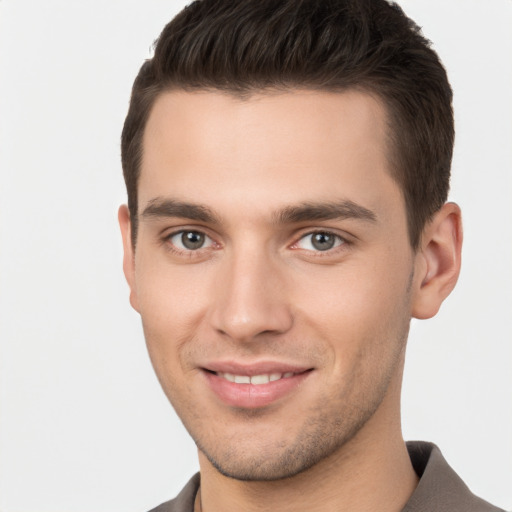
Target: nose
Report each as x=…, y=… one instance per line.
x=250, y=298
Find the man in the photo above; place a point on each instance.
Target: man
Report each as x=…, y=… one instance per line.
x=287, y=166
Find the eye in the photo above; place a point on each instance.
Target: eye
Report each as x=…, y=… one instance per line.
x=320, y=241
x=190, y=240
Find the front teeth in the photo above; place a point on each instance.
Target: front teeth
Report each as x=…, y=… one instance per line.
x=255, y=379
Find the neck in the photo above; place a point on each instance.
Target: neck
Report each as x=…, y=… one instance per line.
x=372, y=471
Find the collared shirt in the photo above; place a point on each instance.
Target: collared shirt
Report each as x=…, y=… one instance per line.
x=439, y=488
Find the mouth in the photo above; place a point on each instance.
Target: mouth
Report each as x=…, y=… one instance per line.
x=254, y=387
x=257, y=380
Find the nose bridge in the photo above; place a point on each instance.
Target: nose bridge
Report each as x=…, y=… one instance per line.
x=250, y=298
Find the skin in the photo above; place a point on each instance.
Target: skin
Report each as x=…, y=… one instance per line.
x=259, y=290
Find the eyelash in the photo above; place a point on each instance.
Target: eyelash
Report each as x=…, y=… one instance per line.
x=340, y=241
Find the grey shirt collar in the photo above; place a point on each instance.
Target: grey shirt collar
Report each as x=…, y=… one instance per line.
x=439, y=488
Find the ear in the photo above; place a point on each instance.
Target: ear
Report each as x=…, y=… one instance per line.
x=437, y=261
x=129, y=253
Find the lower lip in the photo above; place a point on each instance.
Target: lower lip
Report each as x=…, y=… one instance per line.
x=252, y=396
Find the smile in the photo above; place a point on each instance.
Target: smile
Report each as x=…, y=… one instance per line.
x=255, y=379
x=256, y=386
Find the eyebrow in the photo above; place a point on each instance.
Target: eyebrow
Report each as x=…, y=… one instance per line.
x=160, y=207
x=309, y=211
x=324, y=211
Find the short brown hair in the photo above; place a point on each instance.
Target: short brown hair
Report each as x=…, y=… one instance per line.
x=245, y=46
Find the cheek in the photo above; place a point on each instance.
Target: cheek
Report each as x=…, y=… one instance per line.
x=355, y=290
x=168, y=293
x=171, y=304
x=358, y=307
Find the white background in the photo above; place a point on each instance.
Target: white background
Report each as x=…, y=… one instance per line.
x=84, y=426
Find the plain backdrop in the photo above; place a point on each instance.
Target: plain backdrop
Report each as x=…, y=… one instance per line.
x=84, y=425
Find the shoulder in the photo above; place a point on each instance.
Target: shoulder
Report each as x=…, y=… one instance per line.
x=184, y=502
x=440, y=488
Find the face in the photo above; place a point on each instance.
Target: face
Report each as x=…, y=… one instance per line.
x=272, y=273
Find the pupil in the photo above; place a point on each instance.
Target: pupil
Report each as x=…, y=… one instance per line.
x=323, y=241
x=192, y=239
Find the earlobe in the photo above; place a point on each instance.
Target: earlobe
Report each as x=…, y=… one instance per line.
x=437, y=261
x=129, y=253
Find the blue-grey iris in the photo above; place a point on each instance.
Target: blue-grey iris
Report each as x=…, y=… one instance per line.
x=192, y=239
x=323, y=241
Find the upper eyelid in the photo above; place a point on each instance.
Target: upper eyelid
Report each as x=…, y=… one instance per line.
x=174, y=232
x=169, y=232
x=321, y=230
x=344, y=237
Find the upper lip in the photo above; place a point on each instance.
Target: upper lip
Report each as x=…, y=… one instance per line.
x=256, y=368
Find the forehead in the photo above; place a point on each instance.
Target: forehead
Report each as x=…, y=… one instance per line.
x=269, y=148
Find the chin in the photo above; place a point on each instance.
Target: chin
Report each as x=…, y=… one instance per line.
x=256, y=470
x=282, y=458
